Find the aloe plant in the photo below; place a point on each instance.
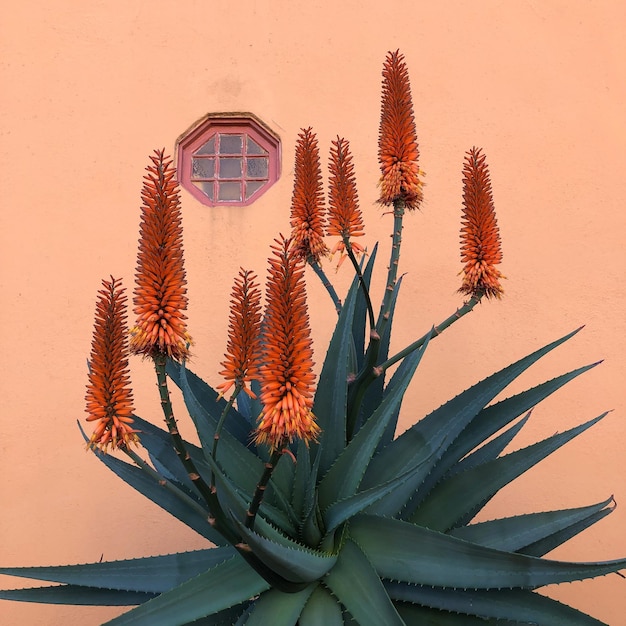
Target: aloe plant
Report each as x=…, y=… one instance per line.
x=316, y=511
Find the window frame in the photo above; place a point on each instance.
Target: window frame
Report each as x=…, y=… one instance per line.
x=212, y=124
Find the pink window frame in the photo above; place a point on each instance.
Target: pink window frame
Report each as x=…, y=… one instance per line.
x=245, y=124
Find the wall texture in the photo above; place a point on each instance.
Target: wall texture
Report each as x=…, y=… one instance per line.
x=89, y=89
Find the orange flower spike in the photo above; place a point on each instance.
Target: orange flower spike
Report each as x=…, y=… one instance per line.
x=307, y=203
x=398, y=152
x=160, y=295
x=286, y=374
x=244, y=333
x=344, y=216
x=109, y=398
x=480, y=237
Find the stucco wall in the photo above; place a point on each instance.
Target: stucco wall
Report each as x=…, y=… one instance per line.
x=89, y=89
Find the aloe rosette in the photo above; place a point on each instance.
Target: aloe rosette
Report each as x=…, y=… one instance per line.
x=317, y=511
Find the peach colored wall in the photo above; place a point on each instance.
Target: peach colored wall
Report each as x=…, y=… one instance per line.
x=89, y=89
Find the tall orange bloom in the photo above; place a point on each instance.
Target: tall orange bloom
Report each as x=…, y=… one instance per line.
x=109, y=397
x=480, y=238
x=344, y=216
x=286, y=374
x=244, y=333
x=307, y=203
x=397, y=138
x=160, y=295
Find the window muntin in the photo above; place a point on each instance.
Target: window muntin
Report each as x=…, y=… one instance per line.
x=228, y=160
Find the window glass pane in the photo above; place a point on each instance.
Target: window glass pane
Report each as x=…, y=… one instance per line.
x=203, y=168
x=254, y=147
x=230, y=144
x=206, y=189
x=257, y=168
x=229, y=191
x=252, y=186
x=208, y=147
x=230, y=168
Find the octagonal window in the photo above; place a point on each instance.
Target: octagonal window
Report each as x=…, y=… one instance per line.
x=228, y=160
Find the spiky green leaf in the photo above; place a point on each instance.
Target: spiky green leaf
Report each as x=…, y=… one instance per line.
x=332, y=389
x=77, y=595
x=514, y=534
x=456, y=500
x=289, y=559
x=172, y=497
x=488, y=422
x=343, y=478
x=278, y=608
x=237, y=459
x=521, y=606
x=359, y=323
x=321, y=609
x=154, y=574
x=431, y=436
x=416, y=615
x=402, y=551
x=355, y=583
x=224, y=586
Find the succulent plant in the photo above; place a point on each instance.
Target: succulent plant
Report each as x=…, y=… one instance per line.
x=317, y=511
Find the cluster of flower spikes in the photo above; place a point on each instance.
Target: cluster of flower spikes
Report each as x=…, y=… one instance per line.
x=282, y=358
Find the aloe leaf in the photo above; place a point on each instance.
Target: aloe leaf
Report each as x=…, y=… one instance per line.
x=359, y=323
x=514, y=534
x=456, y=500
x=77, y=595
x=224, y=586
x=375, y=392
x=424, y=616
x=170, y=496
x=343, y=478
x=250, y=408
x=311, y=493
x=226, y=617
x=238, y=461
x=543, y=546
x=158, y=444
x=235, y=424
x=321, y=609
x=332, y=389
x=432, y=435
x=343, y=510
x=289, y=559
x=489, y=451
x=519, y=606
x=405, y=552
x=233, y=498
x=301, y=479
x=357, y=586
x=154, y=574
x=489, y=421
x=278, y=608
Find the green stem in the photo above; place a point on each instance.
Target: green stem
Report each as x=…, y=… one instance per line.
x=317, y=268
x=259, y=492
x=217, y=515
x=220, y=424
x=435, y=332
x=359, y=273
x=392, y=270
x=369, y=373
